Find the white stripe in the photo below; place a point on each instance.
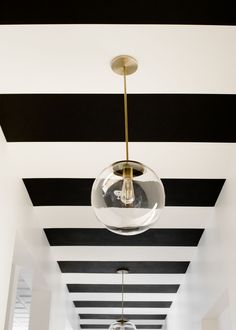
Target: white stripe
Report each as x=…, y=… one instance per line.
x=87, y=310
x=89, y=278
x=124, y=253
x=86, y=159
x=110, y=296
x=94, y=321
x=83, y=217
x=169, y=56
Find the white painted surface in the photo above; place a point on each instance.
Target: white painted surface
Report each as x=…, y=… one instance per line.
x=73, y=58
x=213, y=270
x=107, y=311
x=127, y=253
x=128, y=296
x=90, y=321
x=19, y=228
x=8, y=200
x=84, y=217
x=168, y=160
x=218, y=317
x=224, y=320
x=210, y=324
x=68, y=326
x=12, y=298
x=40, y=310
x=90, y=278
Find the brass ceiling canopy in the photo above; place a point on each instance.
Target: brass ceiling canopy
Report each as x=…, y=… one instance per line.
x=124, y=62
x=122, y=271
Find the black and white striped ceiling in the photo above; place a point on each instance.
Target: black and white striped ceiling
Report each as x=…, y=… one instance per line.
x=89, y=256
x=61, y=114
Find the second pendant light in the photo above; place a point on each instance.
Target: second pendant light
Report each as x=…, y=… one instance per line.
x=122, y=323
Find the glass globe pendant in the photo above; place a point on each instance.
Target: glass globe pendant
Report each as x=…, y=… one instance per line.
x=127, y=197
x=122, y=324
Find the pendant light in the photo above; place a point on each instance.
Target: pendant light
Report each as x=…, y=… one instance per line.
x=122, y=324
x=127, y=197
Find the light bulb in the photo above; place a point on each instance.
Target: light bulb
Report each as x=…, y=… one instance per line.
x=127, y=192
x=127, y=197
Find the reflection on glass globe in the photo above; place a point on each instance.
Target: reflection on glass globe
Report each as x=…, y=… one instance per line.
x=122, y=325
x=127, y=197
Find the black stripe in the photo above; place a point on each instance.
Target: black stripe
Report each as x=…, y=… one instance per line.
x=103, y=237
x=135, y=267
x=100, y=12
x=87, y=117
x=71, y=191
x=127, y=304
x=126, y=316
x=149, y=326
x=132, y=288
x=94, y=326
x=106, y=326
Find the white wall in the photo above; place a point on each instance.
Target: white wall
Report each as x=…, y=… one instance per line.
x=8, y=218
x=20, y=229
x=224, y=320
x=213, y=271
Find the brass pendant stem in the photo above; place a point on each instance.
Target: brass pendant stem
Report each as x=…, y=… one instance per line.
x=125, y=65
x=126, y=118
x=122, y=303
x=122, y=271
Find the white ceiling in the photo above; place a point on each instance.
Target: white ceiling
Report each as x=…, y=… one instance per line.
x=185, y=217
x=75, y=58
x=76, y=159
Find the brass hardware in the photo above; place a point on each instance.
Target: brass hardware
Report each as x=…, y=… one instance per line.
x=118, y=167
x=126, y=118
x=122, y=322
x=125, y=65
x=124, y=61
x=122, y=271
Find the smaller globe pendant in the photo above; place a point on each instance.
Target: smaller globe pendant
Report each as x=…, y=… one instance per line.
x=122, y=325
x=127, y=197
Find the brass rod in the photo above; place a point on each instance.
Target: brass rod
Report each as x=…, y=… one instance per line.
x=126, y=118
x=122, y=296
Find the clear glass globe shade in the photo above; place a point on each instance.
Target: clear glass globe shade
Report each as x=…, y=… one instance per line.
x=122, y=325
x=127, y=197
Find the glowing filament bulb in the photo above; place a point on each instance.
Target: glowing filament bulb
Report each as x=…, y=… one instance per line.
x=127, y=191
